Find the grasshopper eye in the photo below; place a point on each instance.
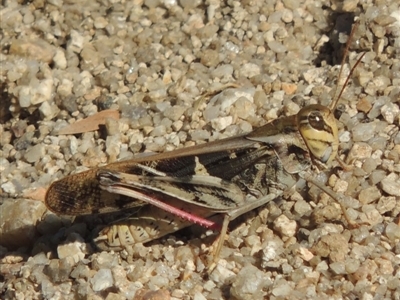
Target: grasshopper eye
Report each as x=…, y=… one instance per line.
x=317, y=125
x=316, y=120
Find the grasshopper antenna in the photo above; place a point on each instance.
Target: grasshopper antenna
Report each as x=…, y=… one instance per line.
x=346, y=51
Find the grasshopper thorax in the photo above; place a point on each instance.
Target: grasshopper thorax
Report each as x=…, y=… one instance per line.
x=317, y=126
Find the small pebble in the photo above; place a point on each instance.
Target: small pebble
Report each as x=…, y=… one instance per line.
x=174, y=113
x=16, y=219
x=335, y=246
x=369, y=195
x=362, y=132
x=75, y=42
x=249, y=283
x=102, y=280
x=220, y=124
x=392, y=231
x=391, y=185
x=59, y=270
x=338, y=268
x=35, y=153
x=364, y=105
x=72, y=249
x=284, y=226
x=386, y=204
x=37, y=49
x=389, y=112
x=221, y=274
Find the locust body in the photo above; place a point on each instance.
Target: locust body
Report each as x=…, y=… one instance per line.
x=230, y=176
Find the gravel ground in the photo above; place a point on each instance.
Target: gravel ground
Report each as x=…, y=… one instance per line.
x=62, y=61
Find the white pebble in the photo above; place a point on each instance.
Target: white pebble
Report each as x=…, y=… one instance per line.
x=221, y=273
x=43, y=92
x=199, y=296
x=75, y=43
x=391, y=185
x=285, y=226
x=48, y=111
x=73, y=250
x=345, y=137
x=35, y=153
x=8, y=187
x=249, y=70
x=221, y=123
x=59, y=59
x=287, y=16
x=65, y=88
x=24, y=96
x=102, y=280
x=389, y=112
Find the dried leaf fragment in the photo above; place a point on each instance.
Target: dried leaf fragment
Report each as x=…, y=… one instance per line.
x=90, y=123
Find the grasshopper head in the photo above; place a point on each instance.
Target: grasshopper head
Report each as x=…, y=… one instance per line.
x=317, y=126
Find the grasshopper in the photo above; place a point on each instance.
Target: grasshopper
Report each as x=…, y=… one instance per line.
x=230, y=176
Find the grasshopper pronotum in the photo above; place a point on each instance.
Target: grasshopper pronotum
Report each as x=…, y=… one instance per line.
x=230, y=176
